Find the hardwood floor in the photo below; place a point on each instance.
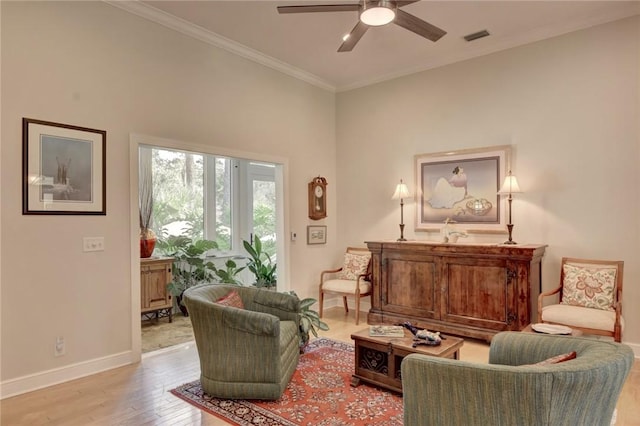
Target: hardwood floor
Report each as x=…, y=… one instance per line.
x=138, y=394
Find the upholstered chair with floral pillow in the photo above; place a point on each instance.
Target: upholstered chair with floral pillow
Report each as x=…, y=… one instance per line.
x=352, y=279
x=247, y=339
x=589, y=297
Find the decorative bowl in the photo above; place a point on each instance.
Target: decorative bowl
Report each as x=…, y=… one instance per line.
x=479, y=206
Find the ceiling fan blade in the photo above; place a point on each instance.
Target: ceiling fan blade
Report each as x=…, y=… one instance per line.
x=418, y=26
x=319, y=8
x=354, y=37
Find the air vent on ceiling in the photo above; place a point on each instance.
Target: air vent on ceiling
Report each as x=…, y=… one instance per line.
x=475, y=36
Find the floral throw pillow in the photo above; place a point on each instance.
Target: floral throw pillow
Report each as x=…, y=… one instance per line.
x=589, y=287
x=231, y=299
x=354, y=265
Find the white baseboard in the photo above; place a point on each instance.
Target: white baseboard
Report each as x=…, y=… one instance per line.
x=635, y=347
x=44, y=379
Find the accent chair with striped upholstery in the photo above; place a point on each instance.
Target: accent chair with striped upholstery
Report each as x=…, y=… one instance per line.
x=512, y=390
x=248, y=353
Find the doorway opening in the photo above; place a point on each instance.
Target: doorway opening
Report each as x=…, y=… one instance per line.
x=203, y=194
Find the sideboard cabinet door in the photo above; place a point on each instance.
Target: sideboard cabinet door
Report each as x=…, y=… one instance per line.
x=477, y=293
x=410, y=285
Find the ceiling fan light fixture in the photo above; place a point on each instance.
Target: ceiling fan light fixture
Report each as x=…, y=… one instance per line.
x=377, y=13
x=372, y=13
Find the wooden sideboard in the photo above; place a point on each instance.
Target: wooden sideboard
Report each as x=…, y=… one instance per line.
x=473, y=290
x=155, y=274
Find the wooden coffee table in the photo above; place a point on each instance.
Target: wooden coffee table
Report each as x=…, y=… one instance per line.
x=377, y=359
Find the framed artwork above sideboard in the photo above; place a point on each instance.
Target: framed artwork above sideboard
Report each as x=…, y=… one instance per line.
x=461, y=186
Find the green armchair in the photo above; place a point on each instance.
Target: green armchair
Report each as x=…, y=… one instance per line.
x=511, y=391
x=248, y=353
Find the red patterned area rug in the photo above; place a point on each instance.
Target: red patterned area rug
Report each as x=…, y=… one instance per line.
x=319, y=394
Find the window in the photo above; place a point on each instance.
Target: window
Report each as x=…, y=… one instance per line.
x=219, y=201
x=263, y=205
x=223, y=199
x=178, y=192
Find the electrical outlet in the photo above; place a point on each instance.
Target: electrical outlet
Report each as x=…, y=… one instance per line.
x=93, y=244
x=59, y=348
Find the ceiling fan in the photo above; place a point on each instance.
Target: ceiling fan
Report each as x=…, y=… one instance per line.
x=373, y=13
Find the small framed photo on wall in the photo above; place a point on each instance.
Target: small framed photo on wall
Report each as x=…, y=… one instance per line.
x=316, y=234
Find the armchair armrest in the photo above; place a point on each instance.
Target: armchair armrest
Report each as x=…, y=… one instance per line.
x=541, y=298
x=328, y=271
x=617, y=305
x=285, y=307
x=251, y=322
x=550, y=293
x=507, y=348
x=617, y=325
x=365, y=276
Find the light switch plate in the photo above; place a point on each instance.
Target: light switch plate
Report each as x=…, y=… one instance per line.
x=93, y=244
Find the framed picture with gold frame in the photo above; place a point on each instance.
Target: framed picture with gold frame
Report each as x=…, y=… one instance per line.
x=316, y=234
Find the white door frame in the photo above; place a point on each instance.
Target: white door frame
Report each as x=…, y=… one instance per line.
x=282, y=179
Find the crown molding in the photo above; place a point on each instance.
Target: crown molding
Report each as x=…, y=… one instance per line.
x=187, y=28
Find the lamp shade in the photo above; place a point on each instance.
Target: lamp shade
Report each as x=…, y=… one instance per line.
x=378, y=13
x=510, y=185
x=401, y=191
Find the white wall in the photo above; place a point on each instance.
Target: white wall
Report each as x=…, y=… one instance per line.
x=93, y=65
x=569, y=108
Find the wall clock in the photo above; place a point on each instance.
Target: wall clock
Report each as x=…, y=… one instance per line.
x=318, y=198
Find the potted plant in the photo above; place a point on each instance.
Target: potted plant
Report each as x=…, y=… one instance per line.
x=310, y=321
x=260, y=264
x=190, y=267
x=229, y=274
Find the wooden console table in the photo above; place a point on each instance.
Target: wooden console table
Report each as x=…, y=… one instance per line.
x=378, y=359
x=155, y=274
x=473, y=290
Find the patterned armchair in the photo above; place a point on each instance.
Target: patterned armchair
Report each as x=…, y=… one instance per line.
x=511, y=390
x=248, y=353
x=352, y=279
x=590, y=297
